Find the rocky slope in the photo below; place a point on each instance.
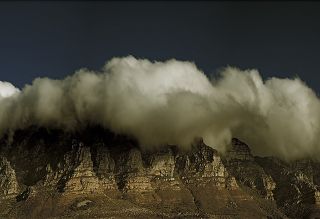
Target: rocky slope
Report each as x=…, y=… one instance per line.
x=95, y=173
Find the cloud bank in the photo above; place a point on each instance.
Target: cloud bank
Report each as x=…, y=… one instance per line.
x=173, y=102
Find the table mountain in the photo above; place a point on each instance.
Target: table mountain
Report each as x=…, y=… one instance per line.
x=95, y=173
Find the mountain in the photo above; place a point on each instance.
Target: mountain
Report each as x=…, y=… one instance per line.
x=94, y=173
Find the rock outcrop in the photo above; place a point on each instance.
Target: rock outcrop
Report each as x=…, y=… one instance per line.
x=94, y=173
x=8, y=180
x=204, y=166
x=132, y=177
x=76, y=174
x=295, y=192
x=104, y=169
x=242, y=165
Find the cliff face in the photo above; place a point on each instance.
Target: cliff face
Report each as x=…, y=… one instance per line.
x=242, y=165
x=296, y=191
x=8, y=180
x=293, y=186
x=94, y=173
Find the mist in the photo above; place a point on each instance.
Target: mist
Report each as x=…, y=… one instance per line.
x=173, y=102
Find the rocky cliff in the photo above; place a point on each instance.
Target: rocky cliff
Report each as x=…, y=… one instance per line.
x=95, y=173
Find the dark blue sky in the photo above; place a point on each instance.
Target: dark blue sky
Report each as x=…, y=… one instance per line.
x=54, y=39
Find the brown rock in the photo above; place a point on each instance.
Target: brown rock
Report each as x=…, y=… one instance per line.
x=241, y=164
x=8, y=180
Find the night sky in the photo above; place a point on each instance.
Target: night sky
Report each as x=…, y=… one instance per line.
x=53, y=39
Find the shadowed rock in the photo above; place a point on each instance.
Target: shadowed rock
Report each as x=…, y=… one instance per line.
x=54, y=174
x=8, y=180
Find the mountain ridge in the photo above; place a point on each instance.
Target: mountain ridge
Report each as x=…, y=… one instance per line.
x=95, y=173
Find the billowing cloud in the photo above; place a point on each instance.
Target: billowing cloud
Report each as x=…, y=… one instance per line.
x=7, y=89
x=173, y=102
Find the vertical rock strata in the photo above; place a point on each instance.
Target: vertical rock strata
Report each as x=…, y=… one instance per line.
x=110, y=176
x=242, y=165
x=8, y=180
x=204, y=166
x=75, y=173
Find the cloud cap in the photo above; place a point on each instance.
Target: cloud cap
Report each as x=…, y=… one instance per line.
x=173, y=102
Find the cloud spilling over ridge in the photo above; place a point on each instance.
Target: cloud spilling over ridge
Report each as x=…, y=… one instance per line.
x=173, y=102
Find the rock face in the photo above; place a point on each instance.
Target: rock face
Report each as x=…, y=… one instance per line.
x=242, y=165
x=76, y=174
x=203, y=166
x=292, y=185
x=132, y=177
x=8, y=180
x=95, y=173
x=104, y=169
x=151, y=180
x=239, y=151
x=295, y=192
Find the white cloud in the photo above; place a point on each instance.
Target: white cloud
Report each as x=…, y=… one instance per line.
x=174, y=102
x=7, y=89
